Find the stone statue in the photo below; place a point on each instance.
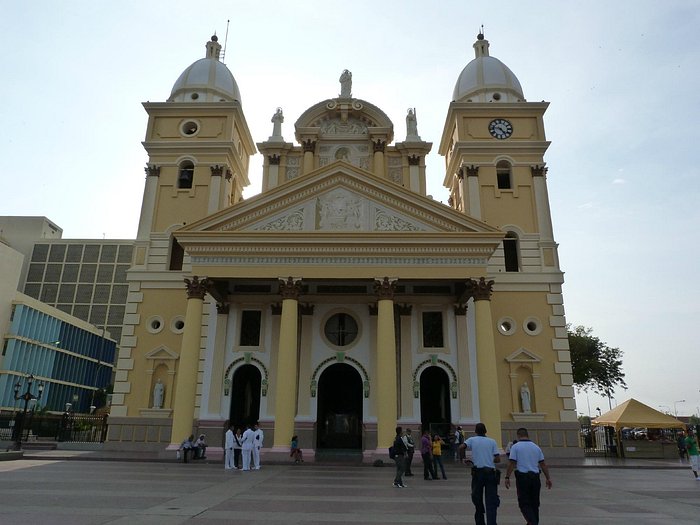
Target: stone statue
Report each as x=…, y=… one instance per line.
x=345, y=84
x=158, y=392
x=525, y=398
x=412, y=124
x=277, y=120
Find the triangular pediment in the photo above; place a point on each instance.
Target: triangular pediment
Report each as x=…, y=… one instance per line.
x=523, y=355
x=340, y=198
x=162, y=352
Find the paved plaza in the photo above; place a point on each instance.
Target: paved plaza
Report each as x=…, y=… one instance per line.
x=50, y=491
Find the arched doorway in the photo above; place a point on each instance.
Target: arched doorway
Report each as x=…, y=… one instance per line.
x=339, y=418
x=435, y=413
x=245, y=396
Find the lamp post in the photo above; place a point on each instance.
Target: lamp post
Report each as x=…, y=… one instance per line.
x=675, y=410
x=26, y=397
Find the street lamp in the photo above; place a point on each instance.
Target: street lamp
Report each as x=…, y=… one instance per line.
x=26, y=397
x=675, y=410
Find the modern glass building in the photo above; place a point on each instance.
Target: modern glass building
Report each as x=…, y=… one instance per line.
x=73, y=358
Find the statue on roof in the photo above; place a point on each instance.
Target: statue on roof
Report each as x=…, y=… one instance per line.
x=345, y=84
x=412, y=125
x=277, y=120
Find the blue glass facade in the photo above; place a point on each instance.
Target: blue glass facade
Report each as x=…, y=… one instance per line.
x=61, y=354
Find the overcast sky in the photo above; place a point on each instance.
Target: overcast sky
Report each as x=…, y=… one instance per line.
x=622, y=79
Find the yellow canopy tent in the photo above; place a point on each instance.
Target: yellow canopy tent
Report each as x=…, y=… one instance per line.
x=632, y=413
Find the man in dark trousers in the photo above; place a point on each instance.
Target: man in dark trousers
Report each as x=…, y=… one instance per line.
x=484, y=475
x=426, y=453
x=528, y=460
x=399, y=447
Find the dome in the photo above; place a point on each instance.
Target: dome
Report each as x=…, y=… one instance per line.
x=207, y=80
x=487, y=79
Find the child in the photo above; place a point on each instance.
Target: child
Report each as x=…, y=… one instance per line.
x=296, y=452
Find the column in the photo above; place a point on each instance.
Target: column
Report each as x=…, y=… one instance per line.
x=466, y=410
x=149, y=201
x=386, y=363
x=217, y=362
x=305, y=365
x=486, y=366
x=273, y=171
x=414, y=173
x=215, y=189
x=188, y=364
x=286, y=387
x=379, y=146
x=309, y=147
x=474, y=195
x=544, y=217
x=405, y=361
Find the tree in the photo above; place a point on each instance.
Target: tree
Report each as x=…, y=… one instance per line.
x=595, y=365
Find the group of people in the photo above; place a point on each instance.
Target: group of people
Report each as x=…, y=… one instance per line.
x=525, y=459
x=196, y=449
x=242, y=449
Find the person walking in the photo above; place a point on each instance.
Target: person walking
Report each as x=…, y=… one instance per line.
x=247, y=447
x=426, y=453
x=399, y=458
x=228, y=449
x=410, y=449
x=527, y=460
x=691, y=446
x=485, y=455
x=257, y=445
x=438, y=442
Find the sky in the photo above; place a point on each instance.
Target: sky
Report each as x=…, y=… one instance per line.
x=622, y=79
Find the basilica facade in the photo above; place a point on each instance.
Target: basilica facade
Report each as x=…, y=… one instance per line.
x=343, y=301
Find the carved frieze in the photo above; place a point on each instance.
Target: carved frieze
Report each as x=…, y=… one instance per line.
x=336, y=126
x=391, y=223
x=292, y=222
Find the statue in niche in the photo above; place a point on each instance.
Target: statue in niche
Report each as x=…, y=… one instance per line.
x=277, y=120
x=345, y=84
x=158, y=392
x=525, y=398
x=412, y=124
x=343, y=154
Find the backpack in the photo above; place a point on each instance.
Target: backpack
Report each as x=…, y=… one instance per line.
x=392, y=452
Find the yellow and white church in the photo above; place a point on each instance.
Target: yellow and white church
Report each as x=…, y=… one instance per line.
x=343, y=301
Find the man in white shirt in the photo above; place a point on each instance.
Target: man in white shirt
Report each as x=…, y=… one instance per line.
x=257, y=445
x=247, y=446
x=528, y=460
x=484, y=475
x=228, y=449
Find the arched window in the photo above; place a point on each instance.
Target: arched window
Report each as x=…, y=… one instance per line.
x=510, y=252
x=185, y=175
x=504, y=175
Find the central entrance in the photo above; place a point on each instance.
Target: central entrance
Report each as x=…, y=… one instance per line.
x=245, y=396
x=339, y=423
x=435, y=400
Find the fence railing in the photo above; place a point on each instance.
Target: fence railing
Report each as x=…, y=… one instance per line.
x=67, y=427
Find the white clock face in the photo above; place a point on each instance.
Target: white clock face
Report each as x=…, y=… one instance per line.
x=500, y=128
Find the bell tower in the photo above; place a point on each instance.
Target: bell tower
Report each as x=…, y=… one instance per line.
x=494, y=145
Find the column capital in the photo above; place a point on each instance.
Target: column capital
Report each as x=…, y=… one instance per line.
x=404, y=309
x=538, y=170
x=273, y=160
x=480, y=290
x=308, y=145
x=461, y=309
x=379, y=145
x=291, y=288
x=216, y=170
x=228, y=174
x=306, y=309
x=414, y=160
x=152, y=170
x=222, y=308
x=196, y=289
x=385, y=288
x=472, y=171
x=460, y=173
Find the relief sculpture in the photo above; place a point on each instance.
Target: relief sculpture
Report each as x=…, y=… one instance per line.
x=340, y=210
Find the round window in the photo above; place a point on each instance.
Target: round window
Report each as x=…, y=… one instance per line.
x=190, y=127
x=506, y=325
x=341, y=329
x=177, y=324
x=532, y=326
x=154, y=324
